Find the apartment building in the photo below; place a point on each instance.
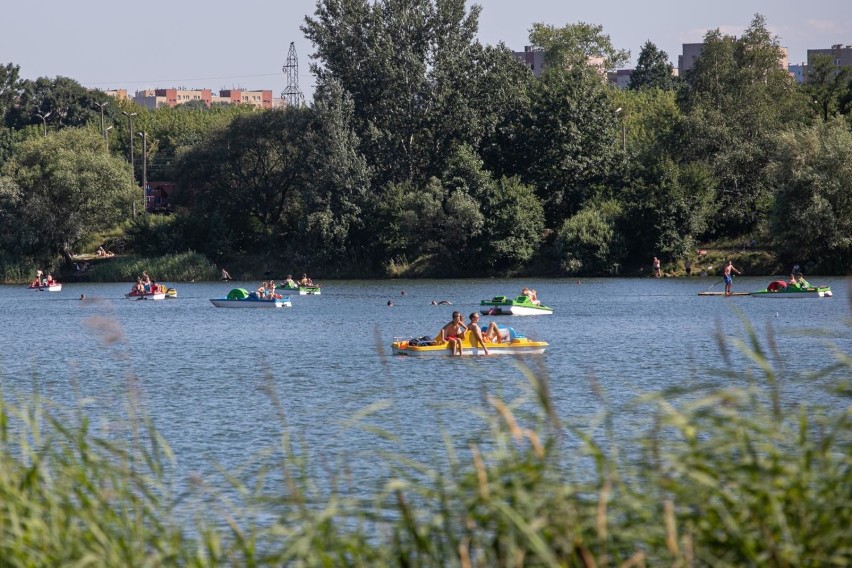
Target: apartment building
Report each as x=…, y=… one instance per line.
x=534, y=60
x=156, y=98
x=839, y=53
x=260, y=99
x=620, y=78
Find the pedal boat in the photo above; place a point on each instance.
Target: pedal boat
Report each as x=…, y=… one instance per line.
x=52, y=287
x=513, y=344
x=160, y=292
x=520, y=306
x=781, y=289
x=241, y=298
x=303, y=290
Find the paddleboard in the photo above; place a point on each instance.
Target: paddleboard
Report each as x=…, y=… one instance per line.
x=722, y=294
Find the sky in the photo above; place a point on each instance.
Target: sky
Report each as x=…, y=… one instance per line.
x=177, y=43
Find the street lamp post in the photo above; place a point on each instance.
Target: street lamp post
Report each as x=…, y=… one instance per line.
x=102, y=105
x=106, y=136
x=623, y=132
x=144, y=136
x=43, y=118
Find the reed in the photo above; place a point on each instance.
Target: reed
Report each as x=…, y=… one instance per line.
x=721, y=477
x=16, y=271
x=181, y=267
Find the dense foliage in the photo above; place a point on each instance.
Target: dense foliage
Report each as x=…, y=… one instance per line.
x=428, y=152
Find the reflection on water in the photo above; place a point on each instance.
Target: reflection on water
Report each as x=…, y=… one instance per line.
x=204, y=374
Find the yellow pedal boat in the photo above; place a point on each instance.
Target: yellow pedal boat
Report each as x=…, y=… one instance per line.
x=513, y=343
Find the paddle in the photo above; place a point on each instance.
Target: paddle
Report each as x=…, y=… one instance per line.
x=719, y=282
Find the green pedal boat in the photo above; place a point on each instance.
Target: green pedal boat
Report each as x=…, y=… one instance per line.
x=520, y=306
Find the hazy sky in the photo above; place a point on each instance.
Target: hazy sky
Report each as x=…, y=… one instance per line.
x=157, y=43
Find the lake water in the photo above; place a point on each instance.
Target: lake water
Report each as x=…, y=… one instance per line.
x=204, y=374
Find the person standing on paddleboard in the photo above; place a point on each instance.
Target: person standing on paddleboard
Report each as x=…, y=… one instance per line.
x=729, y=279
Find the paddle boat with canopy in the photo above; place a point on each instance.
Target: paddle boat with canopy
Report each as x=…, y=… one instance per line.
x=523, y=305
x=512, y=343
x=242, y=298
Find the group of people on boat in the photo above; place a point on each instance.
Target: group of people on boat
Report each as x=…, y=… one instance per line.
x=291, y=284
x=798, y=281
x=42, y=280
x=453, y=333
x=531, y=294
x=144, y=285
x=266, y=291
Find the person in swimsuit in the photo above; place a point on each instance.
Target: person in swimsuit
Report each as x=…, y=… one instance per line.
x=453, y=333
x=656, y=266
x=491, y=334
x=729, y=279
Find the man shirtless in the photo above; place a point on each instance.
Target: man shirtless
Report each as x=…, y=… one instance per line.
x=453, y=333
x=492, y=333
x=729, y=279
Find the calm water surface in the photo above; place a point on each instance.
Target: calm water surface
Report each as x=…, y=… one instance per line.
x=204, y=374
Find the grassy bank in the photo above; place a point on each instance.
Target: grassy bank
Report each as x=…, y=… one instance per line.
x=722, y=478
x=182, y=267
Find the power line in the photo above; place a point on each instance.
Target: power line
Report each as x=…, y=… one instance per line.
x=149, y=81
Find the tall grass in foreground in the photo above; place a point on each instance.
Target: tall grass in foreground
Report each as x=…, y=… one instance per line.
x=723, y=478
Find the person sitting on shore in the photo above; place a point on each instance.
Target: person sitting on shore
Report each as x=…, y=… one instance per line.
x=103, y=253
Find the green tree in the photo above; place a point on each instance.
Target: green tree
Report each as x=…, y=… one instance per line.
x=411, y=67
x=668, y=208
x=812, y=215
x=649, y=117
x=10, y=87
x=379, y=53
x=69, y=104
x=826, y=84
x=336, y=216
x=734, y=100
x=62, y=188
x=570, y=140
x=653, y=69
x=503, y=218
x=250, y=174
x=574, y=44
x=590, y=242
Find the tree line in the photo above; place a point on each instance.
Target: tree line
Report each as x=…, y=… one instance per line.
x=426, y=152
